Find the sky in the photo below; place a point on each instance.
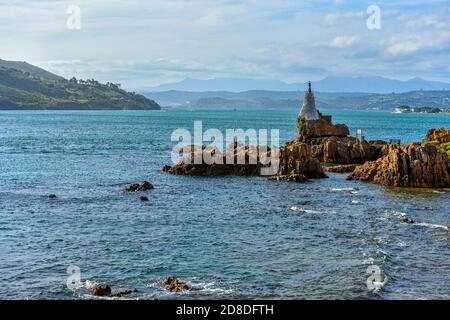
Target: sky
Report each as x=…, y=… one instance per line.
x=147, y=43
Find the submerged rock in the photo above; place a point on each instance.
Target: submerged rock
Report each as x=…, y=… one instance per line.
x=104, y=290
x=137, y=187
x=415, y=165
x=293, y=177
x=52, y=196
x=174, y=285
x=123, y=293
x=143, y=198
x=343, y=168
x=101, y=290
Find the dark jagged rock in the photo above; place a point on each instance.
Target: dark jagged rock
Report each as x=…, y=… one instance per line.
x=143, y=198
x=104, y=290
x=343, y=168
x=174, y=285
x=136, y=187
x=52, y=196
x=101, y=290
x=415, y=165
x=407, y=220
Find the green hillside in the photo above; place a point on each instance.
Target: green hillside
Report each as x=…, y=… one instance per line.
x=35, y=89
x=26, y=67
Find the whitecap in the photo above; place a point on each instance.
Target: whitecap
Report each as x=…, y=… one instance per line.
x=369, y=260
x=309, y=210
x=355, y=202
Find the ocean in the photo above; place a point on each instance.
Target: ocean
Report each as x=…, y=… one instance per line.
x=229, y=237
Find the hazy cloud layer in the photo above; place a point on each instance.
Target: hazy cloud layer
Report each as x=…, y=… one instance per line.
x=145, y=43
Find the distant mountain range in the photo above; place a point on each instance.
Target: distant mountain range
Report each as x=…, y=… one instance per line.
x=261, y=99
x=371, y=84
x=24, y=86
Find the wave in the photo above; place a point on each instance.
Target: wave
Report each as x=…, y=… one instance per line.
x=343, y=189
x=430, y=225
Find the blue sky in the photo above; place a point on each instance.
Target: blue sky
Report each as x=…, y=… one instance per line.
x=146, y=43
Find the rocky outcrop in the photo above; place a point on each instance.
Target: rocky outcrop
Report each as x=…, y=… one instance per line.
x=297, y=163
x=175, y=285
x=414, y=165
x=321, y=128
x=238, y=161
x=342, y=168
x=342, y=150
x=137, y=187
x=331, y=143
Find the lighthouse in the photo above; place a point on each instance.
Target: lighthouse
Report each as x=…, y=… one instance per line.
x=308, y=110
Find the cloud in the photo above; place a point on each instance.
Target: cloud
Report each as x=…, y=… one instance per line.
x=335, y=18
x=143, y=43
x=343, y=42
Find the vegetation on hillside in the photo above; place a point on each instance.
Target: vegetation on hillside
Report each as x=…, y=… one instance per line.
x=25, y=90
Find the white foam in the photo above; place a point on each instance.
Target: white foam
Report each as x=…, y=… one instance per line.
x=355, y=202
x=396, y=213
x=89, y=284
x=210, y=287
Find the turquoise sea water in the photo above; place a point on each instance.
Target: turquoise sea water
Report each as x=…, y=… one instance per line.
x=230, y=237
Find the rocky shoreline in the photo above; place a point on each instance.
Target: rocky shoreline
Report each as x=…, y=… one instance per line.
x=415, y=165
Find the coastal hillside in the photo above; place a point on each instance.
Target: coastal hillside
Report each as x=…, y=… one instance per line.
x=25, y=87
x=26, y=67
